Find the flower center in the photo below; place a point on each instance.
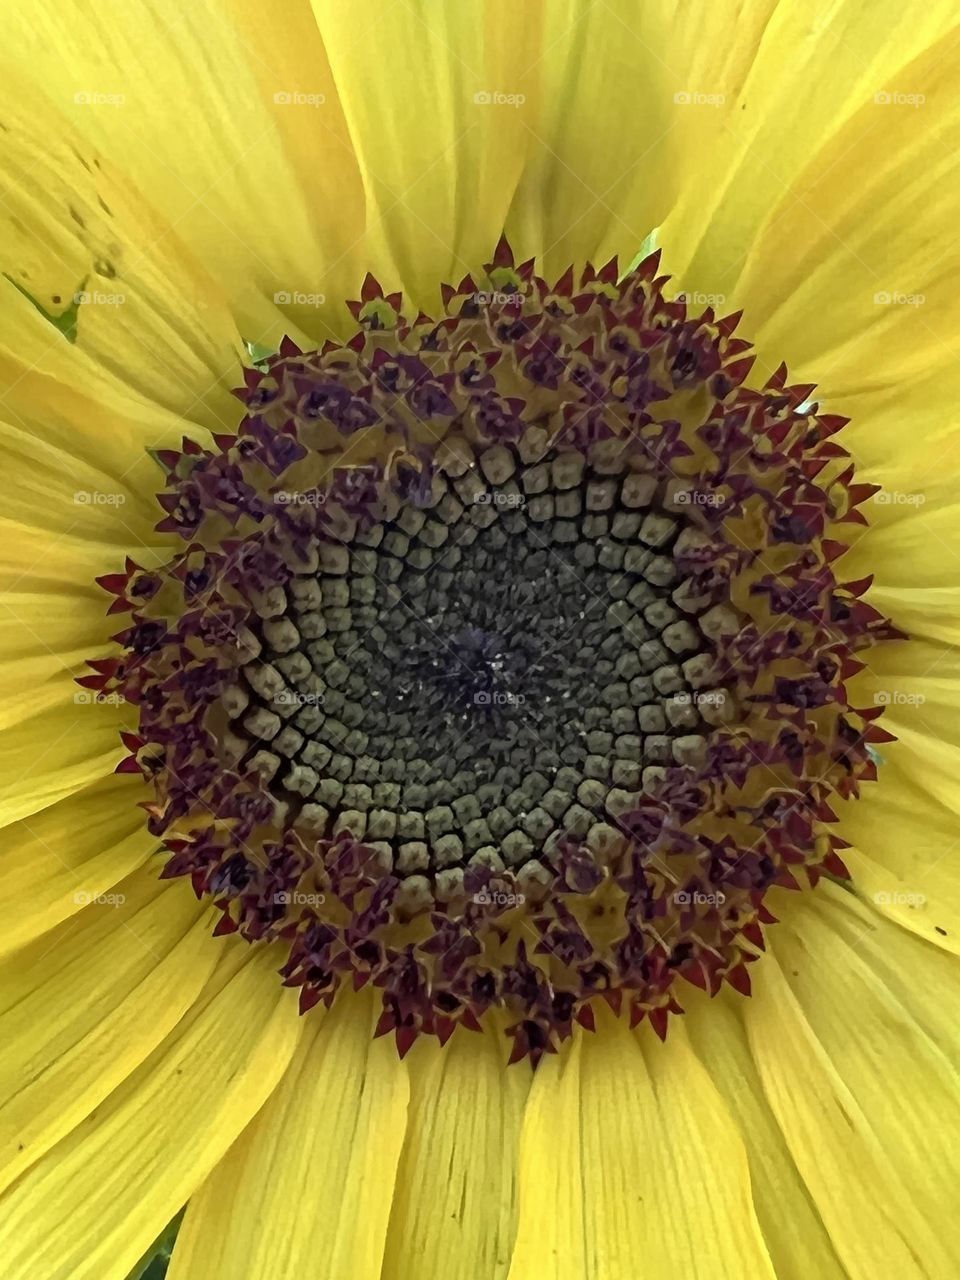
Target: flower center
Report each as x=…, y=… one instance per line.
x=504, y=664
x=506, y=661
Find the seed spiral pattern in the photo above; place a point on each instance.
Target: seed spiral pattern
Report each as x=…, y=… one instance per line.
x=497, y=667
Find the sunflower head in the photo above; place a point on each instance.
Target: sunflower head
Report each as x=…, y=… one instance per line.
x=504, y=662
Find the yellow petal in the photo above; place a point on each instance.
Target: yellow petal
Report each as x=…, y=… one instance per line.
x=785, y=109
x=440, y=153
x=918, y=685
x=905, y=868
x=795, y=1235
x=94, y=999
x=52, y=620
x=630, y=1164
x=79, y=240
x=47, y=634
x=75, y=488
x=914, y=559
x=639, y=127
x=904, y=829
x=57, y=752
x=866, y=1098
x=56, y=861
x=70, y=518
x=80, y=497
x=80, y=422
x=454, y=1209
x=72, y=512
x=854, y=279
x=230, y=124
x=340, y=1114
x=92, y=1205
x=921, y=979
x=917, y=682
x=403, y=143
x=80, y=419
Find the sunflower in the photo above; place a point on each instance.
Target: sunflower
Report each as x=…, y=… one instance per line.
x=478, y=621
